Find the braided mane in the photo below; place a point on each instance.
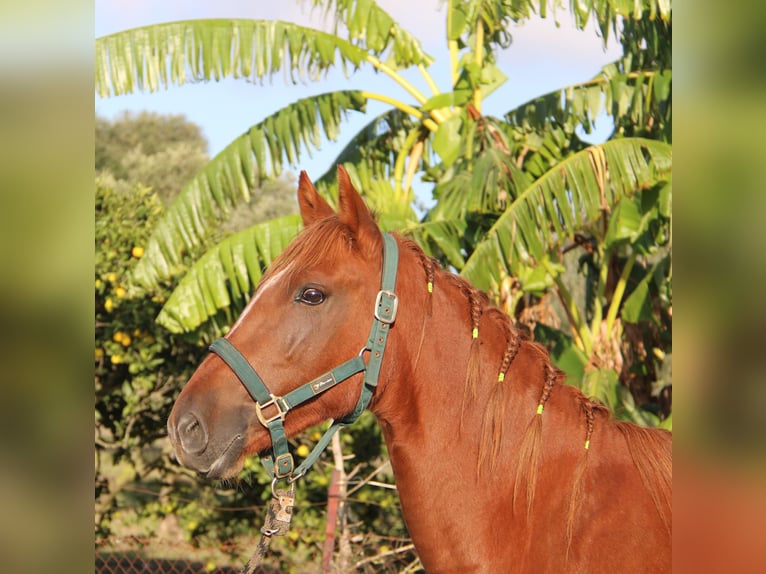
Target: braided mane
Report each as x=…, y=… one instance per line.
x=644, y=444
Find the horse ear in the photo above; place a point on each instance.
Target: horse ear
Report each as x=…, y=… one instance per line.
x=313, y=207
x=352, y=210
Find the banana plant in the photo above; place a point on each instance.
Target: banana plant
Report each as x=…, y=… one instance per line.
x=513, y=194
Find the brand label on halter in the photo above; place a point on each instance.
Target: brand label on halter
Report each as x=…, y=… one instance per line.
x=323, y=383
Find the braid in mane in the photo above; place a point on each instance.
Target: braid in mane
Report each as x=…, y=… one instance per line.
x=531, y=444
x=492, y=422
x=473, y=371
x=587, y=407
x=429, y=265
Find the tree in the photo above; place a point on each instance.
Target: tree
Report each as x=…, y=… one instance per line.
x=513, y=193
x=162, y=152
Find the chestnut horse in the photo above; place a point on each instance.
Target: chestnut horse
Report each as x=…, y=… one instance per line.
x=500, y=467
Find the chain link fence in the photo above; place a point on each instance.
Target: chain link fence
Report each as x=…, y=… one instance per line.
x=131, y=555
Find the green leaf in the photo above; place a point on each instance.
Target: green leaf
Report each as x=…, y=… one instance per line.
x=376, y=145
x=491, y=78
x=624, y=223
x=441, y=237
x=564, y=352
x=447, y=140
x=456, y=21
x=226, y=181
x=447, y=99
x=371, y=27
x=139, y=59
x=535, y=279
x=226, y=274
x=666, y=199
x=524, y=233
x=638, y=306
x=616, y=90
x=602, y=384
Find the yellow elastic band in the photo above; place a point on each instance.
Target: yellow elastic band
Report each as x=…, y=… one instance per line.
x=430, y=287
x=500, y=377
x=475, y=333
x=540, y=409
x=587, y=444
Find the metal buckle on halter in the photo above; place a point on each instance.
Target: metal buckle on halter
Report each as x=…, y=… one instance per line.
x=278, y=403
x=388, y=315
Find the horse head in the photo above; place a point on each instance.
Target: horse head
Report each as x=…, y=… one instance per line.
x=310, y=313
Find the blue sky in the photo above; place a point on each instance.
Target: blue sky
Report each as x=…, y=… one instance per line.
x=542, y=57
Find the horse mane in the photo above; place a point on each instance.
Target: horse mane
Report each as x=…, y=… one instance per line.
x=648, y=448
x=653, y=456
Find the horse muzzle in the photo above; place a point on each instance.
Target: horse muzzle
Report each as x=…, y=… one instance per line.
x=215, y=457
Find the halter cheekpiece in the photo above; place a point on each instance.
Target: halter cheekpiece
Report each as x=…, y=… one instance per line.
x=280, y=464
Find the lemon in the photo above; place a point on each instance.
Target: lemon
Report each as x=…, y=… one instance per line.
x=302, y=451
x=108, y=305
x=120, y=292
x=137, y=252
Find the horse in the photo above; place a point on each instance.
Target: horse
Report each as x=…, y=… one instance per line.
x=500, y=466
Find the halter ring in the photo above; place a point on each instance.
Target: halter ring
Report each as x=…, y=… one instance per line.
x=278, y=404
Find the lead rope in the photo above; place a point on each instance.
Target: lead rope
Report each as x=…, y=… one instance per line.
x=277, y=523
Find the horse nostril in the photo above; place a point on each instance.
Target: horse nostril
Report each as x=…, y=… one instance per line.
x=191, y=434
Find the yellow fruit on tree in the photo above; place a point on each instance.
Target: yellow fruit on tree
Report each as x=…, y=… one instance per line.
x=302, y=451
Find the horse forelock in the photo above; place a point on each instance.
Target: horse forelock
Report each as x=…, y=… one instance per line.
x=324, y=243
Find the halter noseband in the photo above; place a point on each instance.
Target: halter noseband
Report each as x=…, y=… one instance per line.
x=280, y=465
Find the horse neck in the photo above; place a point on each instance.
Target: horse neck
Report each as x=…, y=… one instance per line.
x=423, y=403
x=462, y=454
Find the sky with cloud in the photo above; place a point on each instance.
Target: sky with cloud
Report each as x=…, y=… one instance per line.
x=543, y=56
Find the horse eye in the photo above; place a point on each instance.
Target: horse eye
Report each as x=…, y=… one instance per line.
x=311, y=296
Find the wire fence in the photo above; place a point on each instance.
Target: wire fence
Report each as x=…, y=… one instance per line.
x=131, y=555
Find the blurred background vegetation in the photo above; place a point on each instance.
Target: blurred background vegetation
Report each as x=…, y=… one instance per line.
x=571, y=239
x=141, y=492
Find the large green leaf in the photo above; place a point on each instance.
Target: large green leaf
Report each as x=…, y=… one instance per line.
x=226, y=275
x=447, y=140
x=563, y=201
x=376, y=145
x=484, y=189
x=368, y=25
x=153, y=57
x=228, y=179
x=497, y=15
x=638, y=305
x=441, y=238
x=634, y=95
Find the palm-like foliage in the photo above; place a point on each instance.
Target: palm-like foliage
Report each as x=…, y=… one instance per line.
x=512, y=193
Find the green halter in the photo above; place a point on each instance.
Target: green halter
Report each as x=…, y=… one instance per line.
x=280, y=465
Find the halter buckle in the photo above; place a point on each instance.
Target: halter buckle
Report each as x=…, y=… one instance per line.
x=278, y=403
x=386, y=312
